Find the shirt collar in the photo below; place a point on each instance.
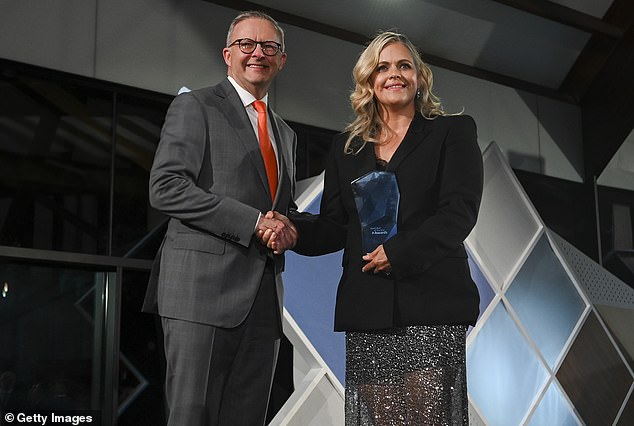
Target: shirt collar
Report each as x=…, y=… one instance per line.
x=246, y=97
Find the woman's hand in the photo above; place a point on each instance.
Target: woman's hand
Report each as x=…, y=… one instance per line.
x=377, y=261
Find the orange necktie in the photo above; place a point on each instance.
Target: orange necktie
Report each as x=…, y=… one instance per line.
x=270, y=163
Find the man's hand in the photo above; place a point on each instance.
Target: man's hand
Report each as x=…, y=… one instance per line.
x=277, y=232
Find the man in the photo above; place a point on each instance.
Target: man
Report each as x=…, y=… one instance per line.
x=219, y=165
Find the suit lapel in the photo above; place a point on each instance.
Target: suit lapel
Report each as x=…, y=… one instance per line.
x=362, y=162
x=281, y=155
x=234, y=111
x=365, y=160
x=415, y=135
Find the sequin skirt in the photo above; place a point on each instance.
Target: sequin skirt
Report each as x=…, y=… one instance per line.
x=407, y=376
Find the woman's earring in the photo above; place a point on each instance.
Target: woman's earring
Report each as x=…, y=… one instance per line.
x=417, y=93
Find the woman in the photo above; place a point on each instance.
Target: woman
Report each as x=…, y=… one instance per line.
x=406, y=306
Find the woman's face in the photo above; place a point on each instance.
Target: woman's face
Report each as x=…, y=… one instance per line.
x=395, y=79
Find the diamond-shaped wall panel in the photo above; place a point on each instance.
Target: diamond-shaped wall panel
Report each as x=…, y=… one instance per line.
x=602, y=287
x=484, y=287
x=619, y=321
x=546, y=289
x=546, y=301
x=627, y=417
x=594, y=375
x=554, y=409
x=538, y=355
x=507, y=225
x=504, y=374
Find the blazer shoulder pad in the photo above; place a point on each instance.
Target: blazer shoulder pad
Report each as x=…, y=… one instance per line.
x=460, y=119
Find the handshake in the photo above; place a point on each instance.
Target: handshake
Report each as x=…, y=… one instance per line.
x=277, y=232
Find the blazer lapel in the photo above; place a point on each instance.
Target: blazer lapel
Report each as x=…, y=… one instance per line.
x=415, y=135
x=232, y=108
x=364, y=162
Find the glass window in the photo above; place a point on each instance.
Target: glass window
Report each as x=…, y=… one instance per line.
x=138, y=124
x=141, y=360
x=52, y=337
x=54, y=165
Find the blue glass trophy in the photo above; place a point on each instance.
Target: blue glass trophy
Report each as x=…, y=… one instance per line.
x=376, y=196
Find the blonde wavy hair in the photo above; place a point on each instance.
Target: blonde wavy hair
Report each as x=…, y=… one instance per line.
x=368, y=123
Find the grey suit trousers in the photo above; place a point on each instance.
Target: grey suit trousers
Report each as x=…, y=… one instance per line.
x=223, y=376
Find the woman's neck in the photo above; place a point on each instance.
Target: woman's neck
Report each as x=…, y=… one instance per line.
x=396, y=124
x=397, y=118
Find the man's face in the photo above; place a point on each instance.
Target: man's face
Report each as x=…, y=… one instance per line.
x=253, y=71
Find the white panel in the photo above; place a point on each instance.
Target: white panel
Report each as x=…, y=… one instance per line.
x=546, y=301
x=507, y=224
x=596, y=8
x=163, y=45
x=318, y=398
x=554, y=409
x=619, y=321
x=324, y=407
x=504, y=374
x=56, y=34
x=171, y=45
x=314, y=87
x=503, y=115
x=622, y=225
x=166, y=44
x=474, y=416
x=601, y=286
x=561, y=139
x=515, y=127
x=420, y=20
x=480, y=33
x=318, y=406
x=536, y=134
x=619, y=173
x=460, y=92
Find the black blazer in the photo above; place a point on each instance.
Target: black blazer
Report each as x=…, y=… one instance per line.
x=438, y=168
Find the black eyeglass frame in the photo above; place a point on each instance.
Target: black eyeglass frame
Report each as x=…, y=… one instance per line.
x=266, y=44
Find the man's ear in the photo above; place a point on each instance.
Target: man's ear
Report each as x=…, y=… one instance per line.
x=282, y=61
x=226, y=54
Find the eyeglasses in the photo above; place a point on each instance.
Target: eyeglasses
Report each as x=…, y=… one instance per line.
x=246, y=45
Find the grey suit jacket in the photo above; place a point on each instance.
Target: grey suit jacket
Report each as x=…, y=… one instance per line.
x=208, y=176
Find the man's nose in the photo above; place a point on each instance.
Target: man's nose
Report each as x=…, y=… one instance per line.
x=259, y=51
